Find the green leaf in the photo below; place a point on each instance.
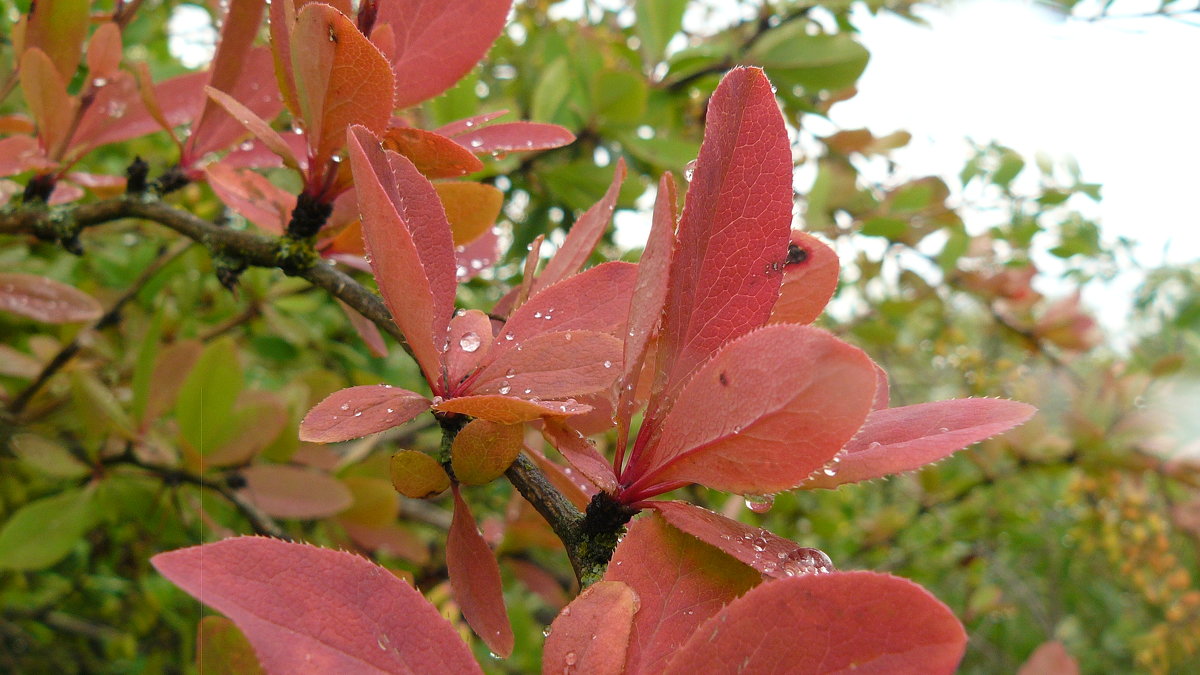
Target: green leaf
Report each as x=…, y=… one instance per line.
x=790, y=54
x=663, y=151
x=1011, y=164
x=47, y=456
x=954, y=249
x=43, y=532
x=619, y=97
x=552, y=93
x=890, y=228
x=143, y=370
x=657, y=22
x=205, y=403
x=100, y=409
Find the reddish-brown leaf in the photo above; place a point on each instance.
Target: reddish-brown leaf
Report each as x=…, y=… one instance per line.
x=514, y=137
x=475, y=578
x=470, y=342
x=46, y=95
x=482, y=451
x=553, y=365
x=342, y=80
x=251, y=195
x=104, y=53
x=862, y=622
x=592, y=635
x=509, y=409
x=594, y=300
x=410, y=248
x=581, y=453
x=21, y=153
x=369, y=620
x=810, y=276
x=761, y=549
x=734, y=229
x=471, y=208
x=767, y=410
x=646, y=305
x=255, y=125
x=294, y=492
x=58, y=28
x=680, y=582
x=358, y=411
x=895, y=440
x=584, y=235
x=1050, y=658
x=46, y=300
x=439, y=41
x=433, y=154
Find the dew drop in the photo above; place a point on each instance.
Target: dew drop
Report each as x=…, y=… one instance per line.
x=509, y=336
x=689, y=170
x=547, y=630
x=537, y=315
x=759, y=503
x=344, y=406
x=608, y=364
x=469, y=341
x=504, y=388
x=382, y=641
x=476, y=143
x=510, y=373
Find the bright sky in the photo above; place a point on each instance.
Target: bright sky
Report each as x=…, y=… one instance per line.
x=1120, y=96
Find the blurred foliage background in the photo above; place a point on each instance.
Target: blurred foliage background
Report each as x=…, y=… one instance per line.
x=1081, y=526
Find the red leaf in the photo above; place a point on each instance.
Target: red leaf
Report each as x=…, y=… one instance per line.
x=358, y=411
x=475, y=578
x=46, y=300
x=903, y=439
x=734, y=227
x=366, y=329
x=473, y=258
x=553, y=365
x=342, y=80
x=21, y=153
x=761, y=549
x=369, y=620
x=1050, y=658
x=592, y=634
x=254, y=87
x=253, y=196
x=568, y=481
x=410, y=246
x=295, y=492
x=595, y=300
x=810, y=276
x=514, y=137
x=581, y=453
x=508, y=409
x=584, y=235
x=470, y=342
x=849, y=621
x=433, y=154
x=466, y=124
x=646, y=307
x=118, y=112
x=680, y=582
x=104, y=52
x=767, y=410
x=439, y=41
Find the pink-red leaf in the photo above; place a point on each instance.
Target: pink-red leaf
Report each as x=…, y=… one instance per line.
x=470, y=342
x=680, y=582
x=294, y=492
x=761, y=549
x=46, y=96
x=21, y=153
x=593, y=636
x=724, y=277
x=358, y=411
x=46, y=300
x=466, y=124
x=810, y=276
x=438, y=41
x=584, y=235
x=409, y=245
x=475, y=578
x=476, y=256
x=553, y=365
x=104, y=52
x=514, y=137
x=433, y=154
x=509, y=409
x=255, y=125
x=253, y=196
x=830, y=623
x=368, y=619
x=765, y=412
x=341, y=80
x=895, y=440
x=254, y=87
x=581, y=453
x=119, y=113
x=1050, y=658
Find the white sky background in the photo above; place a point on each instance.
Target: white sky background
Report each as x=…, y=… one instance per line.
x=1121, y=96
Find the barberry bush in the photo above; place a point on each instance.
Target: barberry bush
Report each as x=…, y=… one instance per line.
x=464, y=440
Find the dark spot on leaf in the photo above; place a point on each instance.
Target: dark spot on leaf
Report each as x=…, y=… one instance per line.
x=332, y=34
x=795, y=255
x=724, y=380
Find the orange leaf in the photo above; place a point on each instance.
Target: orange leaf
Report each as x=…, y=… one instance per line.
x=509, y=410
x=58, y=28
x=46, y=96
x=482, y=451
x=341, y=80
x=104, y=52
x=417, y=475
x=810, y=276
x=433, y=154
x=471, y=208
